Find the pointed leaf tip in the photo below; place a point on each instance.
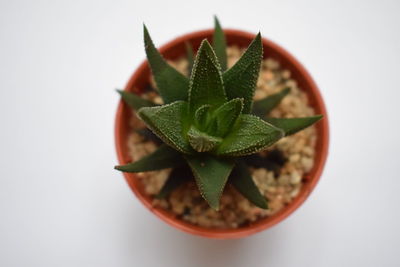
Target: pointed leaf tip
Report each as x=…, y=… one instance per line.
x=190, y=56
x=171, y=84
x=146, y=35
x=240, y=80
x=242, y=180
x=293, y=125
x=206, y=85
x=135, y=101
x=162, y=158
x=219, y=44
x=205, y=44
x=216, y=20
x=264, y=106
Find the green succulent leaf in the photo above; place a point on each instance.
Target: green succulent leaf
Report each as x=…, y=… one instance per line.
x=176, y=178
x=264, y=106
x=135, y=101
x=219, y=44
x=293, y=125
x=164, y=157
x=249, y=135
x=148, y=135
x=273, y=161
x=211, y=174
x=226, y=115
x=206, y=86
x=240, y=81
x=171, y=84
x=243, y=182
x=190, y=56
x=168, y=122
x=201, y=117
x=202, y=142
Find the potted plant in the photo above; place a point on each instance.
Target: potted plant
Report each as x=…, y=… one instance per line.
x=223, y=142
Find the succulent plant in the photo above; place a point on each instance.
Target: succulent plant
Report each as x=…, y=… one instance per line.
x=208, y=123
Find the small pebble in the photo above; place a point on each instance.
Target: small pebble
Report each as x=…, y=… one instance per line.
x=286, y=74
x=158, y=100
x=295, y=178
x=307, y=163
x=294, y=157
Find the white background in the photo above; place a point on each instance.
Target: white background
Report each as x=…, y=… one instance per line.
x=61, y=202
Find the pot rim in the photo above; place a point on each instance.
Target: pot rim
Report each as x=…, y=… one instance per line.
x=262, y=224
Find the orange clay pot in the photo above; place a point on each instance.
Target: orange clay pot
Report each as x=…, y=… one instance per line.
x=174, y=50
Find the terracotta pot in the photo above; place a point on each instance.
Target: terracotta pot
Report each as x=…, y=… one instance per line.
x=176, y=49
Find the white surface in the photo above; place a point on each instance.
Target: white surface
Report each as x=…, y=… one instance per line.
x=61, y=202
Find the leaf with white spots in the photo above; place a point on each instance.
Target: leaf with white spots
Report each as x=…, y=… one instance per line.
x=206, y=86
x=240, y=81
x=168, y=122
x=171, y=84
x=248, y=136
x=211, y=174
